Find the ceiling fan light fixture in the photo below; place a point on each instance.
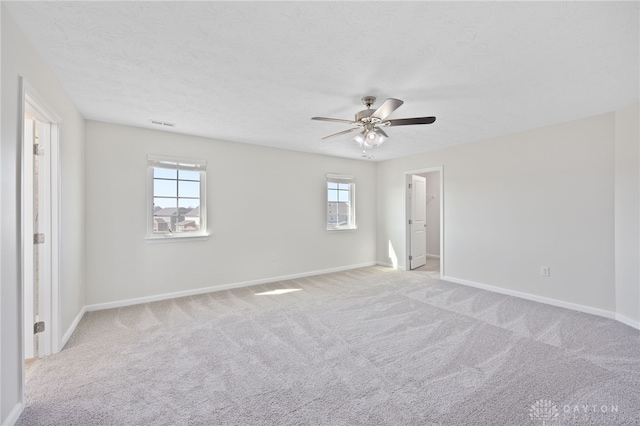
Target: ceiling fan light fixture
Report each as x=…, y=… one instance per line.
x=359, y=139
x=380, y=139
x=375, y=138
x=369, y=139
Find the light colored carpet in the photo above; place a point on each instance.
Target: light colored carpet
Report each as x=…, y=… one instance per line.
x=432, y=267
x=371, y=346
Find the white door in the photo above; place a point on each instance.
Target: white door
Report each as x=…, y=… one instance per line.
x=418, y=255
x=36, y=177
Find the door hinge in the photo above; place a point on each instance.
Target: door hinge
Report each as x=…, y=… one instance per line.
x=38, y=327
x=38, y=238
x=409, y=186
x=38, y=150
x=410, y=257
x=410, y=222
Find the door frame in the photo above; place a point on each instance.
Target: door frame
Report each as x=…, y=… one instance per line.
x=28, y=95
x=407, y=214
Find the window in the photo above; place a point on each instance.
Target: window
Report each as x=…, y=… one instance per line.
x=177, y=206
x=341, y=208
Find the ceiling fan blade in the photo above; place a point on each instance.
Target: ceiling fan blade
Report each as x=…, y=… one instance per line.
x=381, y=132
x=408, y=121
x=337, y=120
x=342, y=133
x=387, y=108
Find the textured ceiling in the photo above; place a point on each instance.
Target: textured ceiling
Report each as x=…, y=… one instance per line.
x=255, y=72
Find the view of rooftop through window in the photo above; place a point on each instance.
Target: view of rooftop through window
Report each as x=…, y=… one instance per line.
x=176, y=200
x=340, y=214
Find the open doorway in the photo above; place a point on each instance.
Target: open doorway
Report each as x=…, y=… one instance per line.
x=40, y=229
x=424, y=221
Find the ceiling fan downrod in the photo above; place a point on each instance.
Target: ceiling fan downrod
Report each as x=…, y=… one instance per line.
x=364, y=116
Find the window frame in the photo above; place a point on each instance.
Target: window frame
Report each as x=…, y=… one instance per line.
x=341, y=179
x=180, y=163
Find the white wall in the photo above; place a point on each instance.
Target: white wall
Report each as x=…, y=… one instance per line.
x=432, y=187
x=20, y=59
x=627, y=214
x=517, y=202
x=262, y=201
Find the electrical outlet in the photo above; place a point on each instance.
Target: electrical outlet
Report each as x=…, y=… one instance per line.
x=545, y=271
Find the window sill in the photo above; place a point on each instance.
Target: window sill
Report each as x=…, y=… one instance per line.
x=352, y=228
x=175, y=238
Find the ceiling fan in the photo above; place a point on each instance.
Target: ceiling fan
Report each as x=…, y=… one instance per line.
x=369, y=122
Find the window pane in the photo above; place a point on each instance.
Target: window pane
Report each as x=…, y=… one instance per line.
x=188, y=175
x=332, y=195
x=164, y=203
x=190, y=217
x=345, y=186
x=332, y=213
x=164, y=188
x=161, y=225
x=164, y=210
x=188, y=203
x=343, y=196
x=187, y=226
x=164, y=173
x=332, y=185
x=189, y=189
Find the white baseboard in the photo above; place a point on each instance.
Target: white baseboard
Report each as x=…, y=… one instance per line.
x=628, y=321
x=388, y=265
x=13, y=416
x=434, y=256
x=174, y=295
x=72, y=327
x=532, y=297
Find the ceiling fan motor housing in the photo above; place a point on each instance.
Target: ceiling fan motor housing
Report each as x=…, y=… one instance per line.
x=364, y=116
